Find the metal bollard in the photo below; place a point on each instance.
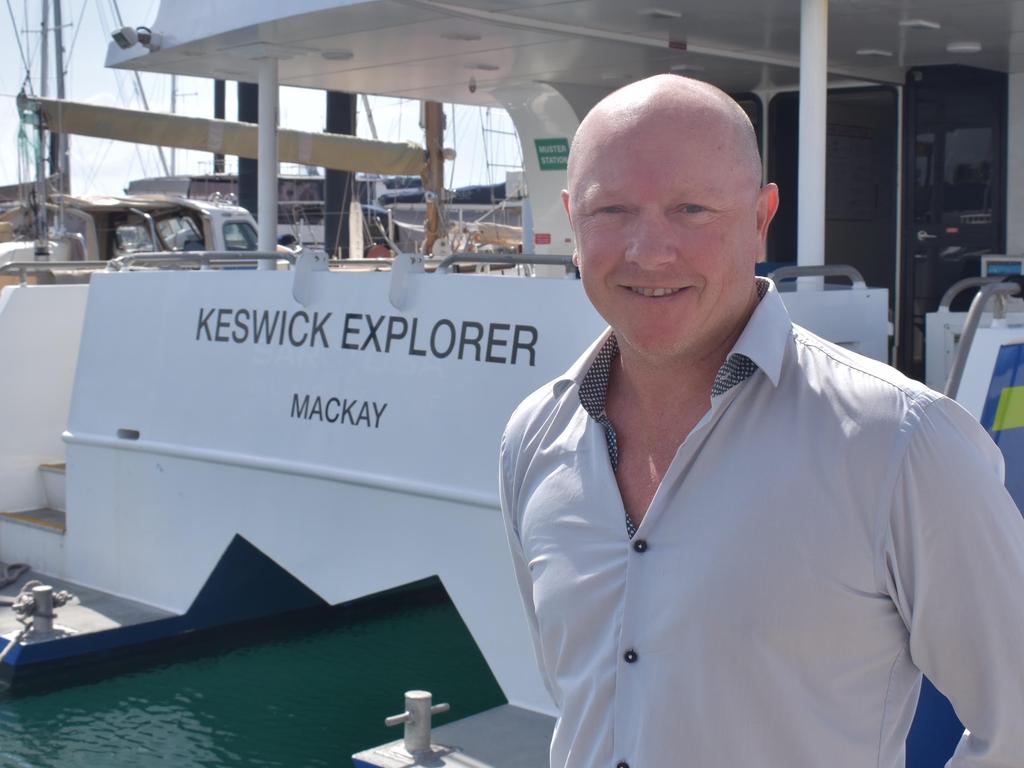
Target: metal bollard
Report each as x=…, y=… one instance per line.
x=416, y=718
x=43, y=618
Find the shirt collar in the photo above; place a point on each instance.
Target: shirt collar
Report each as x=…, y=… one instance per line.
x=765, y=337
x=763, y=340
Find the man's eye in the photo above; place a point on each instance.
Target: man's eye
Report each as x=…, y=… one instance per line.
x=611, y=209
x=691, y=208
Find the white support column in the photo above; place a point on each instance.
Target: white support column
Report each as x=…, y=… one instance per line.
x=813, y=100
x=266, y=208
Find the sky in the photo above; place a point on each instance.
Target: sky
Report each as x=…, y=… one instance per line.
x=101, y=166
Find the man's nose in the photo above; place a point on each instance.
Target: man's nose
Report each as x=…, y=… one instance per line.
x=651, y=241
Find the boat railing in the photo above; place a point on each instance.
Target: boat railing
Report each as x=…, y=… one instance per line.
x=505, y=260
x=24, y=268
x=963, y=285
x=822, y=270
x=205, y=259
x=1000, y=291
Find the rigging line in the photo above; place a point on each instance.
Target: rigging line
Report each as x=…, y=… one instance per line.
x=14, y=26
x=74, y=37
x=141, y=91
x=451, y=175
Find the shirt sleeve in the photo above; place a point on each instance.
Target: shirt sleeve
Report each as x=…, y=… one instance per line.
x=954, y=562
x=508, y=486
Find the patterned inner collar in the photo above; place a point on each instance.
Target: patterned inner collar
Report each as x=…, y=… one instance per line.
x=594, y=388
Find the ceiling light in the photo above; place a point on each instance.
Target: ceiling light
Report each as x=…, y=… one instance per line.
x=466, y=37
x=339, y=55
x=686, y=68
x=873, y=52
x=920, y=24
x=964, y=46
x=484, y=67
x=660, y=13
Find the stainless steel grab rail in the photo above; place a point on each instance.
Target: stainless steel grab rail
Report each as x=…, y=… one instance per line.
x=203, y=258
x=823, y=270
x=505, y=259
x=152, y=224
x=962, y=285
x=978, y=304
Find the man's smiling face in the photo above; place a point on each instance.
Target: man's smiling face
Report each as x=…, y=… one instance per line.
x=669, y=217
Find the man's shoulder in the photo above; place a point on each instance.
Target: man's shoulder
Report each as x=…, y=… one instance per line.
x=538, y=408
x=849, y=377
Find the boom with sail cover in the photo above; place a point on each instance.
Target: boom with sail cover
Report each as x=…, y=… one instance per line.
x=329, y=150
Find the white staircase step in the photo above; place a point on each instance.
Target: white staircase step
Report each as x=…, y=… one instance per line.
x=45, y=518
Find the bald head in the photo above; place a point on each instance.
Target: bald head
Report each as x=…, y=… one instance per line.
x=685, y=104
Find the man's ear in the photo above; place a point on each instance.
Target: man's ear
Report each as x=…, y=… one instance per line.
x=767, y=206
x=568, y=213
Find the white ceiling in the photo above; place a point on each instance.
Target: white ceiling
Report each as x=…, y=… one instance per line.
x=432, y=49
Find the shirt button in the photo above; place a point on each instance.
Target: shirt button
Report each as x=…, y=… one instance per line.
x=630, y=656
x=640, y=545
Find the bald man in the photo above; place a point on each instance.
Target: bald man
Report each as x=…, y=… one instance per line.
x=739, y=545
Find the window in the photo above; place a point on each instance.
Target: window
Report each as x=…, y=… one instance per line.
x=133, y=238
x=180, y=233
x=239, y=236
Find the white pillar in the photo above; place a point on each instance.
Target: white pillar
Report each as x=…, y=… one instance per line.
x=813, y=100
x=266, y=207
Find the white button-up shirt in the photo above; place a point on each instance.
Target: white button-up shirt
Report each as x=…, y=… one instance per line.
x=826, y=533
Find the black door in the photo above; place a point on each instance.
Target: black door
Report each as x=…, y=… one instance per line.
x=954, y=212
x=861, y=171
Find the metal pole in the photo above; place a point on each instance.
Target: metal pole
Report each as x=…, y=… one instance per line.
x=266, y=206
x=433, y=113
x=813, y=102
x=174, y=109
x=59, y=141
x=42, y=251
x=218, y=113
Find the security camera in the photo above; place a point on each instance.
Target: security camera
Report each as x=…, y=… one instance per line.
x=149, y=38
x=472, y=85
x=125, y=37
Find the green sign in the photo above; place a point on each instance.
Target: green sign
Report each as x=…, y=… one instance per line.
x=552, y=154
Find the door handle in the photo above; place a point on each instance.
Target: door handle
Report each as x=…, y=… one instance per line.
x=922, y=236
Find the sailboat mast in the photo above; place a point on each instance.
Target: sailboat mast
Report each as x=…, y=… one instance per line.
x=433, y=119
x=42, y=252
x=59, y=141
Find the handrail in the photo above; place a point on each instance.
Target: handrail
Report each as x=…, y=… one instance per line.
x=822, y=270
x=962, y=285
x=203, y=258
x=341, y=263
x=510, y=259
x=978, y=303
x=22, y=268
x=152, y=225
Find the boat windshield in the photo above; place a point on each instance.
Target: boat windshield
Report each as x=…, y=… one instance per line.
x=239, y=236
x=180, y=233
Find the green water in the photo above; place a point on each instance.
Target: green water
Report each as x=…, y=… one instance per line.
x=306, y=695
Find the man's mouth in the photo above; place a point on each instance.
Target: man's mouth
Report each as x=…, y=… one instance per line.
x=654, y=292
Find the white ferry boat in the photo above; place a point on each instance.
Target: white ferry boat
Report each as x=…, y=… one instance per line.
x=193, y=448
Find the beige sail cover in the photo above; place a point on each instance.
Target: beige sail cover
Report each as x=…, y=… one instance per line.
x=330, y=150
